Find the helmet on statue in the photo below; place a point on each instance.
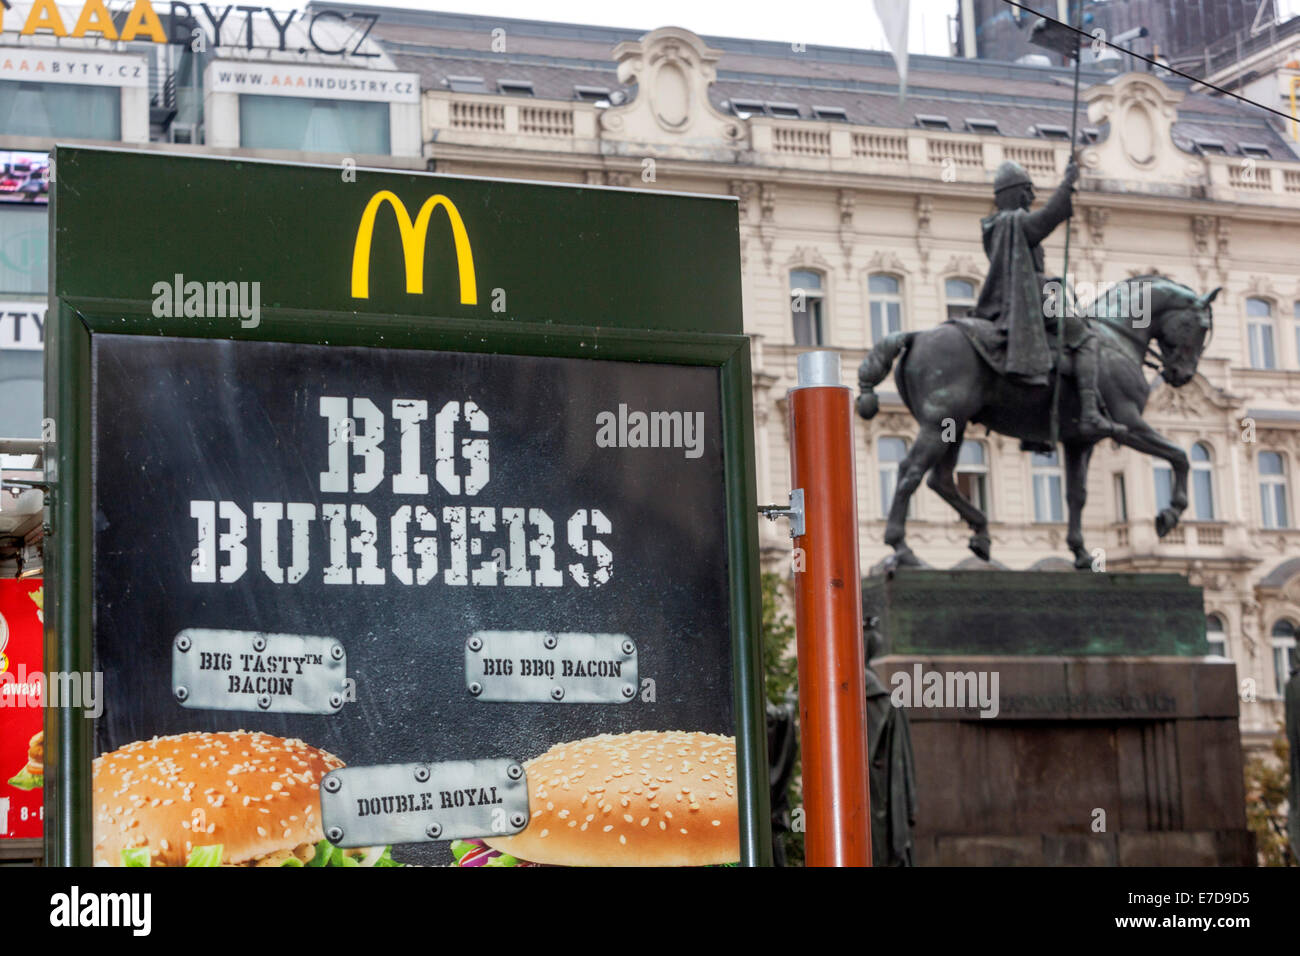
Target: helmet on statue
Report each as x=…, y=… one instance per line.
x=1010, y=174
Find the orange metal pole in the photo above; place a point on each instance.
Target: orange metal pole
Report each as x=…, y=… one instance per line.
x=828, y=616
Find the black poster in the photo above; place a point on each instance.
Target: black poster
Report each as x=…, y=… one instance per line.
x=397, y=503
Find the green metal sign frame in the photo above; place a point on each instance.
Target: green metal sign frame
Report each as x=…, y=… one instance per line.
x=587, y=273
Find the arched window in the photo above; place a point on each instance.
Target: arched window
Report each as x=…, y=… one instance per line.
x=891, y=451
x=973, y=474
x=1283, y=640
x=1259, y=326
x=959, y=297
x=1216, y=636
x=1202, y=482
x=885, y=302
x=1049, y=487
x=807, y=307
x=1273, y=511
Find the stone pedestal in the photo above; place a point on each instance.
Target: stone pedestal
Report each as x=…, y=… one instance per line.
x=1090, y=754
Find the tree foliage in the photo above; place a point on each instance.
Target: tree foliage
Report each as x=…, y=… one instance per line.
x=1267, y=780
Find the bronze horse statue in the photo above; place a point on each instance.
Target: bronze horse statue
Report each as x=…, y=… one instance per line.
x=946, y=384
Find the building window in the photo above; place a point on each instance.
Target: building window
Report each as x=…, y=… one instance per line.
x=1202, y=483
x=24, y=249
x=1283, y=639
x=891, y=452
x=1049, y=487
x=1296, y=310
x=1215, y=636
x=51, y=110
x=973, y=474
x=1164, y=476
x=959, y=297
x=1272, y=491
x=885, y=296
x=1121, y=497
x=1259, y=325
x=807, y=307
x=314, y=126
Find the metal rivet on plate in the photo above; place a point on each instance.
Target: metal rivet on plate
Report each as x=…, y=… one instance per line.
x=421, y=774
x=433, y=831
x=629, y=647
x=183, y=643
x=557, y=693
x=514, y=771
x=334, y=834
x=336, y=701
x=264, y=701
x=475, y=643
x=332, y=784
x=476, y=688
x=182, y=693
x=550, y=641
x=517, y=819
x=336, y=652
x=259, y=644
x=628, y=691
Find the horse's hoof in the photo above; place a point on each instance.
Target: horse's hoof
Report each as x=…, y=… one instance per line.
x=903, y=557
x=1083, y=561
x=981, y=545
x=1166, y=521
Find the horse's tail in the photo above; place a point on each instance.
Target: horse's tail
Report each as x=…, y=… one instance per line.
x=875, y=367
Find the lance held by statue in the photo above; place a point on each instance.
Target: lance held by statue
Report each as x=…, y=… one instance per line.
x=1014, y=293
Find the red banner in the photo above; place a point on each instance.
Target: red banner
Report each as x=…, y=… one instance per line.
x=22, y=748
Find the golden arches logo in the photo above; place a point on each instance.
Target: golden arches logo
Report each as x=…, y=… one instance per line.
x=413, y=235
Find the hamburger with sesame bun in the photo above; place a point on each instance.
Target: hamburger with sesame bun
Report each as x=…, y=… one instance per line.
x=233, y=798
x=33, y=773
x=647, y=798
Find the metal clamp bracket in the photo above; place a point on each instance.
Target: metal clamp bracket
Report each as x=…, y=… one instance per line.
x=794, y=513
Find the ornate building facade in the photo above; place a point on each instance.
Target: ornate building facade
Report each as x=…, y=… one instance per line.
x=859, y=215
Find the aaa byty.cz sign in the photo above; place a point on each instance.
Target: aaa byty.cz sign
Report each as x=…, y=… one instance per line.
x=429, y=567
x=142, y=22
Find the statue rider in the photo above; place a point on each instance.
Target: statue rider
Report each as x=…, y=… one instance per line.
x=1014, y=291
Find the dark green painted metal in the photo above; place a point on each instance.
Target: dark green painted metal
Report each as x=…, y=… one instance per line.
x=1037, y=613
x=567, y=255
x=68, y=734
x=596, y=291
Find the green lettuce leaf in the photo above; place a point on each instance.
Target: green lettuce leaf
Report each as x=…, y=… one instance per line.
x=136, y=857
x=325, y=851
x=327, y=854
x=27, y=781
x=205, y=856
x=292, y=861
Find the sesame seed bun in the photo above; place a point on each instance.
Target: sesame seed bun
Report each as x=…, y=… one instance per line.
x=647, y=798
x=253, y=793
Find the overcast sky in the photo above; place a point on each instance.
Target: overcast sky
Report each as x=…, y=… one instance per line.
x=822, y=22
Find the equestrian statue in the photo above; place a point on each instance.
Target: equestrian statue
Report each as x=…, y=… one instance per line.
x=1025, y=363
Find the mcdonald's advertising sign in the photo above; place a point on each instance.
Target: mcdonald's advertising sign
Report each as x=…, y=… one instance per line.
x=409, y=520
